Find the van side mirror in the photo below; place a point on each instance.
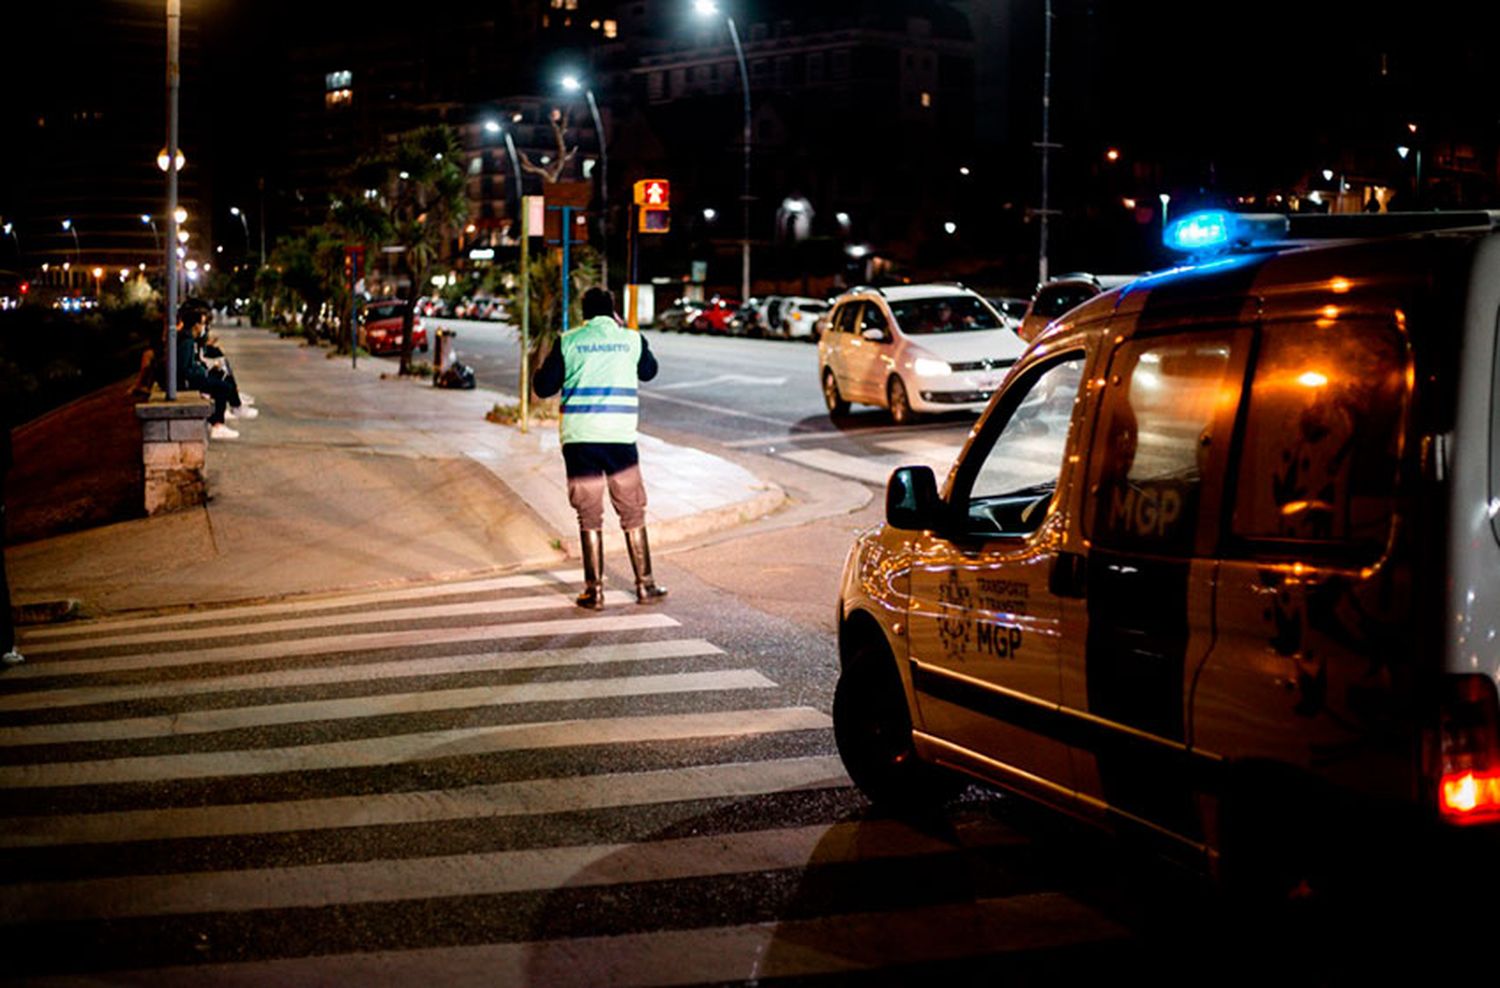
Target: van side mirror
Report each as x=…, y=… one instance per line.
x=911, y=499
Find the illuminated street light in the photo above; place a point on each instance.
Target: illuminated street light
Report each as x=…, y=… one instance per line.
x=710, y=214
x=1328, y=174
x=239, y=214
x=963, y=170
x=1164, y=200
x=68, y=226
x=571, y=83
x=950, y=227
x=492, y=126
x=147, y=220
x=182, y=236
x=708, y=8
x=162, y=159
x=180, y=215
x=1113, y=154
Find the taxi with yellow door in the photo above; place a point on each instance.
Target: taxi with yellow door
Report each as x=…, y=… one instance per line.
x=1219, y=565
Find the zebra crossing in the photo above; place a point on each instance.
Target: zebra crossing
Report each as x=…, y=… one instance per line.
x=467, y=783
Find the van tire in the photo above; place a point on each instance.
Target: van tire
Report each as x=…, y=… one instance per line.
x=872, y=729
x=899, y=402
x=836, y=402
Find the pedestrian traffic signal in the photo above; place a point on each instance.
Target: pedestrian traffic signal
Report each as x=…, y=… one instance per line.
x=653, y=192
x=654, y=220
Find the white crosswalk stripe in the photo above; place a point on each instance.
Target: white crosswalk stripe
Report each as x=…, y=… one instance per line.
x=289, y=759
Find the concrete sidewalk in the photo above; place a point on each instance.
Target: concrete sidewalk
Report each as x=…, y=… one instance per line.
x=350, y=480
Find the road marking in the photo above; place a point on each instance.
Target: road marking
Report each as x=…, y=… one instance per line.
x=826, y=945
x=716, y=409
x=498, y=873
x=923, y=447
x=472, y=608
x=364, y=672
x=77, y=628
x=407, y=748
x=532, y=797
x=341, y=644
x=378, y=705
x=870, y=471
x=717, y=379
x=833, y=432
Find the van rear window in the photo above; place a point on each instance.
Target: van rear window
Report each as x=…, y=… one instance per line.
x=1322, y=440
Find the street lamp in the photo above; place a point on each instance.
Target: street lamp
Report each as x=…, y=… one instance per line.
x=572, y=84
x=492, y=126
x=148, y=220
x=162, y=158
x=70, y=228
x=10, y=231
x=244, y=225
x=1165, y=199
x=708, y=8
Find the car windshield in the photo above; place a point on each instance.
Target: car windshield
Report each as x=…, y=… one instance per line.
x=943, y=314
x=388, y=310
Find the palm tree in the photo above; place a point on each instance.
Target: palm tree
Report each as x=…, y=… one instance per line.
x=409, y=199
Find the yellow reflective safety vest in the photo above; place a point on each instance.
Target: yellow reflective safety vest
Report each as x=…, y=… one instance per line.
x=599, y=403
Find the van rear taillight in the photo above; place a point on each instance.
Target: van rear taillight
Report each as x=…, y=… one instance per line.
x=1468, y=788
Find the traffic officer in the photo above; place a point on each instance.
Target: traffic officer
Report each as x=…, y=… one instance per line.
x=597, y=367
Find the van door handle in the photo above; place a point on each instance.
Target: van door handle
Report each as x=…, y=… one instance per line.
x=1067, y=578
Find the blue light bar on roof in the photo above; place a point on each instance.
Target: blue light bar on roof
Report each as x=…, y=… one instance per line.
x=1217, y=230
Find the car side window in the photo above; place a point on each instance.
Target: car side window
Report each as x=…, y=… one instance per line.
x=873, y=319
x=844, y=319
x=1168, y=403
x=1323, y=433
x=1017, y=474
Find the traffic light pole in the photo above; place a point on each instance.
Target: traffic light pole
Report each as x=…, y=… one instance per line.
x=174, y=75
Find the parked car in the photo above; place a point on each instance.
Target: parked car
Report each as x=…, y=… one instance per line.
x=678, y=315
x=1012, y=310
x=1218, y=568
x=799, y=317
x=714, y=316
x=747, y=320
x=912, y=349
x=380, y=328
x=1062, y=293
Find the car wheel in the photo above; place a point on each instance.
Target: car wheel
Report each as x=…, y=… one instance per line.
x=899, y=403
x=837, y=403
x=872, y=729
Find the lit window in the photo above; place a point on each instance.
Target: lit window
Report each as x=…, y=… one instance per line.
x=593, y=25
x=338, y=98
x=557, y=4
x=926, y=99
x=342, y=79
x=611, y=29
x=570, y=4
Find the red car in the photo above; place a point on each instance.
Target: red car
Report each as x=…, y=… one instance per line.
x=380, y=328
x=715, y=315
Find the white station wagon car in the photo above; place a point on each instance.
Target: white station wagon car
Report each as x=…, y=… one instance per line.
x=914, y=348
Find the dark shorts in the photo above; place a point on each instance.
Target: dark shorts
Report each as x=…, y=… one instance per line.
x=594, y=468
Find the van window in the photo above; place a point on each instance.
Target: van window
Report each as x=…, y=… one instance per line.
x=1017, y=476
x=1322, y=439
x=1157, y=425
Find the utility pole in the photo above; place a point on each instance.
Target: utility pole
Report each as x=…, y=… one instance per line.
x=1046, y=144
x=174, y=75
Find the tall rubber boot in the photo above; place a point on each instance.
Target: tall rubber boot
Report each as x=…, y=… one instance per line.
x=591, y=540
x=646, y=590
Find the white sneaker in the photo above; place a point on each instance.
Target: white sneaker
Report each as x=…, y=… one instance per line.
x=243, y=412
x=247, y=398
x=12, y=658
x=221, y=431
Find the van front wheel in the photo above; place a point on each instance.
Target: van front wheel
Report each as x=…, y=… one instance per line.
x=872, y=728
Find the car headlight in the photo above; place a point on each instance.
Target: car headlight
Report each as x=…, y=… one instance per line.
x=930, y=367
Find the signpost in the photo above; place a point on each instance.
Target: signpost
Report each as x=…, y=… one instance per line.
x=354, y=265
x=653, y=201
x=532, y=211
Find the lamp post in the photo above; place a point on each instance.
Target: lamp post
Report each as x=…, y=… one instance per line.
x=68, y=226
x=708, y=8
x=238, y=213
x=572, y=85
x=148, y=220
x=171, y=162
x=493, y=127
x=10, y=231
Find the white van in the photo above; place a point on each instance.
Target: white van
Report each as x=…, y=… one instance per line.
x=1220, y=564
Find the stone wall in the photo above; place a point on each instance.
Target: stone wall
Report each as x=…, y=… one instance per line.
x=174, y=447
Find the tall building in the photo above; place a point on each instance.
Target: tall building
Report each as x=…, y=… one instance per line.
x=86, y=118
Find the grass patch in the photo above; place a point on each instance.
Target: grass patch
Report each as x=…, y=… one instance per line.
x=542, y=410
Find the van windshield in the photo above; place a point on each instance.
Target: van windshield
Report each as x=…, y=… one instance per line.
x=943, y=314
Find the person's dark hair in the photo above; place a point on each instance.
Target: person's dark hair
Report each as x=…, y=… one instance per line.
x=598, y=302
